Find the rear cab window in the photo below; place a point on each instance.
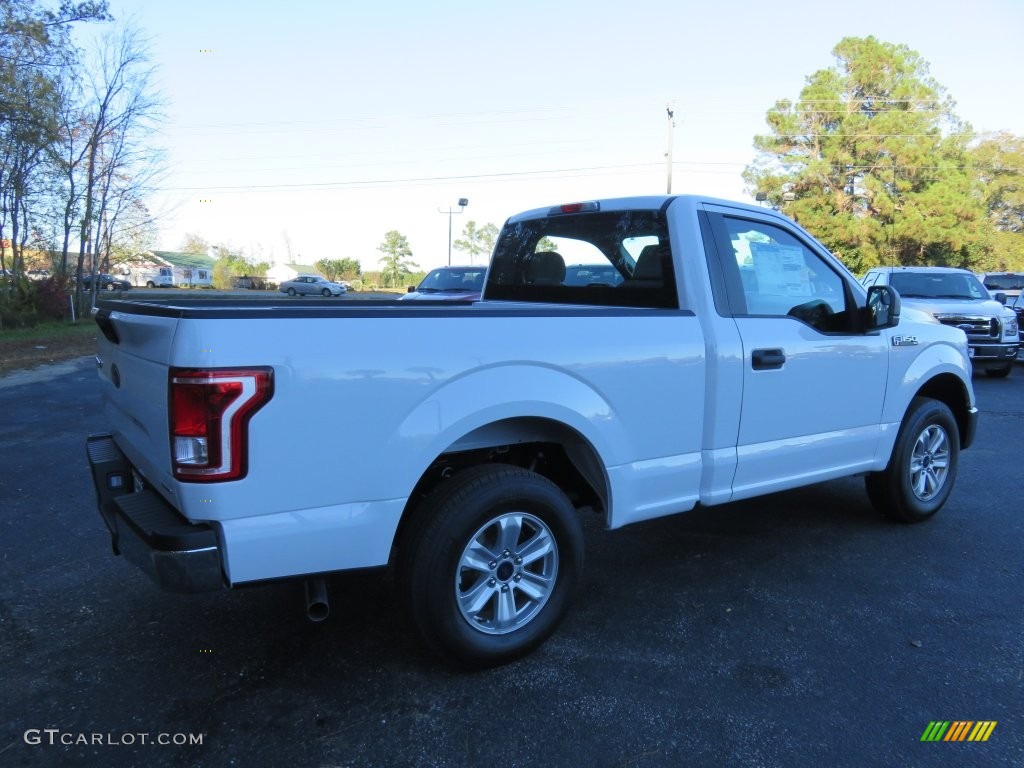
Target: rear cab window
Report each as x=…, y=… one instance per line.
x=590, y=257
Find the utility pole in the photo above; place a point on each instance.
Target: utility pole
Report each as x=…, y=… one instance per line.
x=668, y=155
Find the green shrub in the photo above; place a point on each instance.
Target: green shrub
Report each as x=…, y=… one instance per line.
x=30, y=303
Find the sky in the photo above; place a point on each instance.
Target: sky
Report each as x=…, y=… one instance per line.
x=307, y=130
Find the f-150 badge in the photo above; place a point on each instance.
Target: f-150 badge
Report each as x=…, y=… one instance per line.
x=904, y=341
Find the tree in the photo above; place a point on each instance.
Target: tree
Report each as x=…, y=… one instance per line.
x=999, y=160
x=339, y=269
x=36, y=54
x=396, y=259
x=350, y=269
x=873, y=161
x=477, y=241
x=231, y=264
x=193, y=243
x=328, y=268
x=122, y=110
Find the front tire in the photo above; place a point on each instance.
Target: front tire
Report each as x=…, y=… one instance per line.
x=326, y=292
x=923, y=465
x=291, y=291
x=489, y=564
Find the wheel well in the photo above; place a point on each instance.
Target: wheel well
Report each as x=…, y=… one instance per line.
x=951, y=391
x=548, y=448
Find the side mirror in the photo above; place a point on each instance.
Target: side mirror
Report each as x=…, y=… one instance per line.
x=1000, y=297
x=411, y=289
x=883, y=308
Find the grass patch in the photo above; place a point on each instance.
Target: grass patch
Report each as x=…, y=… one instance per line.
x=49, y=331
x=22, y=348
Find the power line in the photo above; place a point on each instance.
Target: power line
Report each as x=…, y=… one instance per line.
x=388, y=182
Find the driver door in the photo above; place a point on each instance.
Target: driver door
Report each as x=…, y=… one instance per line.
x=813, y=383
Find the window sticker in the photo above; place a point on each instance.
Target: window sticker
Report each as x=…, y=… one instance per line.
x=780, y=269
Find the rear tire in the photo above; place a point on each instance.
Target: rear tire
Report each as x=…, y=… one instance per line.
x=151, y=284
x=489, y=564
x=326, y=292
x=923, y=465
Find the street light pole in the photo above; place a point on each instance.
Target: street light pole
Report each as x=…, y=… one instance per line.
x=668, y=155
x=463, y=202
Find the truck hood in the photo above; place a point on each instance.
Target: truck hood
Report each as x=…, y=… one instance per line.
x=983, y=307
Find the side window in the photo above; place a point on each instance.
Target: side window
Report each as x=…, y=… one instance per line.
x=781, y=277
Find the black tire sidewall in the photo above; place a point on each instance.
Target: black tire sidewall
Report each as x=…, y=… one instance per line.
x=474, y=498
x=999, y=373
x=903, y=504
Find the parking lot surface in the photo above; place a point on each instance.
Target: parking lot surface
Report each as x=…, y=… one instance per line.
x=793, y=630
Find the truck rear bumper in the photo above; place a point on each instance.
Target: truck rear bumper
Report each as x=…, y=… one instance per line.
x=180, y=556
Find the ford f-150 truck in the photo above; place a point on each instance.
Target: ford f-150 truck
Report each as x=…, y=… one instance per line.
x=459, y=443
x=956, y=297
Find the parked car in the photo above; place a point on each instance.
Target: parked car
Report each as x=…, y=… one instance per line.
x=1009, y=283
x=248, y=283
x=592, y=274
x=449, y=284
x=38, y=274
x=1017, y=305
x=956, y=297
x=106, y=282
x=311, y=284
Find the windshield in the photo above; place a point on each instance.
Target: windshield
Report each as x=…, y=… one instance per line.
x=453, y=279
x=1011, y=281
x=938, y=285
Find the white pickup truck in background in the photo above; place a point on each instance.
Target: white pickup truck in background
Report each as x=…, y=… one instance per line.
x=458, y=443
x=957, y=297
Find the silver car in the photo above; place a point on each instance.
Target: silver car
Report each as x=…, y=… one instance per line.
x=311, y=284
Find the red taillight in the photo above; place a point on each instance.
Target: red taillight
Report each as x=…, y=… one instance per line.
x=588, y=207
x=209, y=420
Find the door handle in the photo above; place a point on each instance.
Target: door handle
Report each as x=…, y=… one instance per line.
x=767, y=359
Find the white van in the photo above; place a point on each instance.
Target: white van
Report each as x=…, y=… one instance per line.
x=149, y=277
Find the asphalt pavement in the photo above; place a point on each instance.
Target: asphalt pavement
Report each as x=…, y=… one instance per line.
x=793, y=630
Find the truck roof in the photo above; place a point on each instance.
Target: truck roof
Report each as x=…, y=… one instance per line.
x=640, y=202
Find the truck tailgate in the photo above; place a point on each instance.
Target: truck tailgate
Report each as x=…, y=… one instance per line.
x=134, y=355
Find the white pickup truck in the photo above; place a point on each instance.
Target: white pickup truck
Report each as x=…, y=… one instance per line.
x=956, y=297
x=721, y=354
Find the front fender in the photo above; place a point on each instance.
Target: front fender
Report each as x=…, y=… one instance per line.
x=912, y=374
x=914, y=369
